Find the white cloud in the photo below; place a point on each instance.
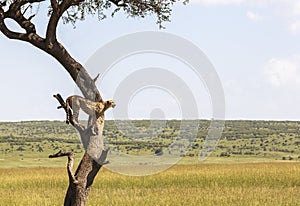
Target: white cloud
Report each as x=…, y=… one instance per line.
x=294, y=27
x=290, y=7
x=254, y=16
x=281, y=72
x=289, y=10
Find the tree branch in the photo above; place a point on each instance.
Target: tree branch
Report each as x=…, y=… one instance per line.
x=8, y=33
x=14, y=13
x=70, y=164
x=119, y=3
x=57, y=12
x=2, y=4
x=96, y=78
x=52, y=24
x=79, y=127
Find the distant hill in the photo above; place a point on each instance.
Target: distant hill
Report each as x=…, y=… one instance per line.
x=268, y=140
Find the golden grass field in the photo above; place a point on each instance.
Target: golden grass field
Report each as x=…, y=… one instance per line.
x=203, y=184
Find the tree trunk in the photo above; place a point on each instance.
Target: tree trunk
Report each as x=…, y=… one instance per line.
x=77, y=194
x=95, y=154
x=80, y=183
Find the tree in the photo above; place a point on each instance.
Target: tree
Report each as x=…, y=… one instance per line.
x=69, y=11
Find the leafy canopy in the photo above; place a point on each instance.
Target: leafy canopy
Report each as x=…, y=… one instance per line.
x=133, y=8
x=79, y=9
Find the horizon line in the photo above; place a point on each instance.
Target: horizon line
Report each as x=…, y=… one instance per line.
x=148, y=119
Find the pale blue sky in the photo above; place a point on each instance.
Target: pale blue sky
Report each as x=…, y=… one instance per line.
x=254, y=46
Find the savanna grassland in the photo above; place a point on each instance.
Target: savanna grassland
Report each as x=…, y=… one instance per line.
x=204, y=184
x=254, y=163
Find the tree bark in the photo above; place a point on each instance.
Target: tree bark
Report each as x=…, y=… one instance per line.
x=95, y=154
x=92, y=161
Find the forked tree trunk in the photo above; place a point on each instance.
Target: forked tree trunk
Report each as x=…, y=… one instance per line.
x=77, y=194
x=95, y=155
x=80, y=182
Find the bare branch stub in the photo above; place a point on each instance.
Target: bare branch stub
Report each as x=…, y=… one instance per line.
x=70, y=165
x=79, y=127
x=96, y=78
x=63, y=105
x=61, y=153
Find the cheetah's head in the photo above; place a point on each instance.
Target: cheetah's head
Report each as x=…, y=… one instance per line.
x=110, y=103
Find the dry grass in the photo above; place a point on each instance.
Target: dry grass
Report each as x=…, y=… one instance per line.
x=204, y=184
